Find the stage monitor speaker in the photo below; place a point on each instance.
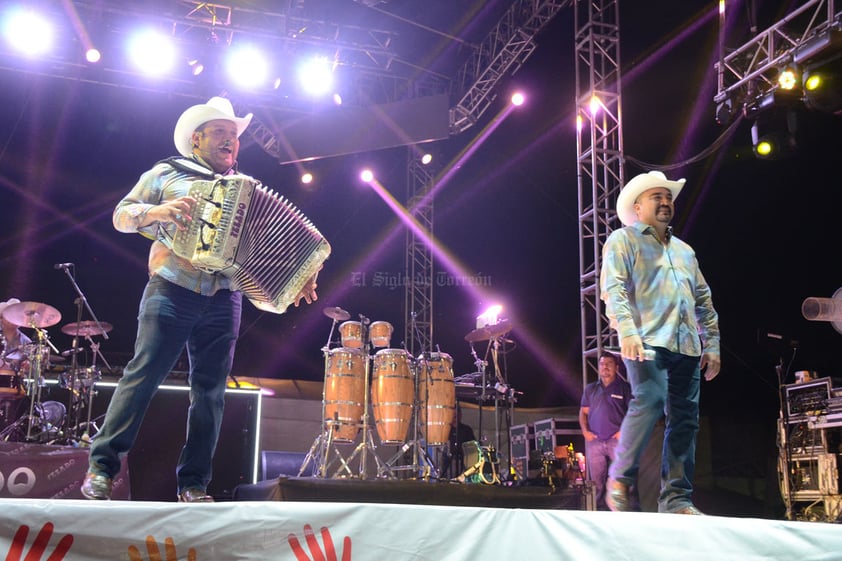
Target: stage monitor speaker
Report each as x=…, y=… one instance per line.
x=153, y=458
x=274, y=464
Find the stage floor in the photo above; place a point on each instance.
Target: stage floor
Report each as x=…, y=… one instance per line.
x=275, y=529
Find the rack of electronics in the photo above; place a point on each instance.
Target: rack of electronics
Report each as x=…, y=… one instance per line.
x=810, y=445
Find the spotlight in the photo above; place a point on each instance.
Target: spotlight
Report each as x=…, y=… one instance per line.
x=773, y=135
x=196, y=66
x=247, y=67
x=595, y=105
x=518, y=99
x=788, y=78
x=28, y=32
x=93, y=55
x=367, y=175
x=822, y=91
x=426, y=158
x=306, y=178
x=316, y=76
x=152, y=53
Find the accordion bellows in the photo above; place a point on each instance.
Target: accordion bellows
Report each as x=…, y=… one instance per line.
x=253, y=236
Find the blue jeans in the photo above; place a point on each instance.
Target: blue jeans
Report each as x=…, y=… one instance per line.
x=170, y=318
x=668, y=385
x=599, y=454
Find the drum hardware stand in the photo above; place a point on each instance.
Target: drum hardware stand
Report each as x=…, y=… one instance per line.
x=85, y=396
x=323, y=444
x=366, y=444
x=419, y=454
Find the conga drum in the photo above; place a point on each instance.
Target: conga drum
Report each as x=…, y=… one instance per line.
x=438, y=396
x=392, y=394
x=344, y=392
x=351, y=333
x=380, y=333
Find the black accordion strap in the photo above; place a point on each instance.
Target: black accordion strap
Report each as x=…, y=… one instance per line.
x=188, y=165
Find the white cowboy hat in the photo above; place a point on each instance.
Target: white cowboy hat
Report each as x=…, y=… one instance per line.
x=7, y=303
x=639, y=184
x=197, y=115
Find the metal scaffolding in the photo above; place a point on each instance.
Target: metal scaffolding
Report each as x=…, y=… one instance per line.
x=418, y=295
x=501, y=53
x=599, y=148
x=748, y=73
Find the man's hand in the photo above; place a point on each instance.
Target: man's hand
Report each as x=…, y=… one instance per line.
x=710, y=364
x=631, y=347
x=308, y=292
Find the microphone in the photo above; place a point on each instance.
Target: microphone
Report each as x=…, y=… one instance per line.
x=63, y=265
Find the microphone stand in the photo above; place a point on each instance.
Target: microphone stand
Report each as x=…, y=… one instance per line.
x=81, y=302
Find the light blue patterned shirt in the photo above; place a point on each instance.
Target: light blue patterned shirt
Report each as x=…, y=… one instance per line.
x=163, y=183
x=657, y=291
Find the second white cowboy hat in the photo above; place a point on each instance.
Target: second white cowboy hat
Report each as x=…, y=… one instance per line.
x=639, y=184
x=197, y=115
x=7, y=303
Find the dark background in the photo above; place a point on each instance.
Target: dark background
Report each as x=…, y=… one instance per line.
x=765, y=231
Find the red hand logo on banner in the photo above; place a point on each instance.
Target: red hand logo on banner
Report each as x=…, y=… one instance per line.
x=155, y=553
x=315, y=550
x=39, y=546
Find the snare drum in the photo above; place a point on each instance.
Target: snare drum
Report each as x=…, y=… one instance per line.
x=380, y=333
x=392, y=393
x=351, y=333
x=438, y=396
x=344, y=392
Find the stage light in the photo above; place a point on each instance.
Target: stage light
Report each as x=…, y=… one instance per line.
x=518, y=99
x=93, y=55
x=306, y=178
x=595, y=105
x=367, y=175
x=337, y=99
x=822, y=90
x=28, y=32
x=773, y=135
x=788, y=78
x=247, y=66
x=152, y=53
x=426, y=158
x=196, y=66
x=316, y=76
x=490, y=316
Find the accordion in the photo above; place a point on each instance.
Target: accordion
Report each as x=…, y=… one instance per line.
x=253, y=236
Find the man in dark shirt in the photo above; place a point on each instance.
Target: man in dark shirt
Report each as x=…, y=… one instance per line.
x=604, y=404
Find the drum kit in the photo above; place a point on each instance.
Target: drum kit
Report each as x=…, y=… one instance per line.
x=412, y=401
x=26, y=371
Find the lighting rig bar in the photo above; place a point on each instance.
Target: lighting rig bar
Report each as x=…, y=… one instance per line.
x=377, y=72
x=501, y=53
x=750, y=72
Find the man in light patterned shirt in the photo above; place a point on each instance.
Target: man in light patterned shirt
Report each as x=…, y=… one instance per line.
x=660, y=305
x=182, y=307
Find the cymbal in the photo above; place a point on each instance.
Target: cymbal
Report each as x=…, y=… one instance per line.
x=87, y=328
x=337, y=313
x=32, y=314
x=489, y=332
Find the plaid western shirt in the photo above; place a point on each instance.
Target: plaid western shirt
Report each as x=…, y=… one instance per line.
x=164, y=183
x=657, y=291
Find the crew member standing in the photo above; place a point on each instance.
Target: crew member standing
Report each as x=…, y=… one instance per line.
x=604, y=404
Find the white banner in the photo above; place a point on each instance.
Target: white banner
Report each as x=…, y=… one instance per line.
x=34, y=530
